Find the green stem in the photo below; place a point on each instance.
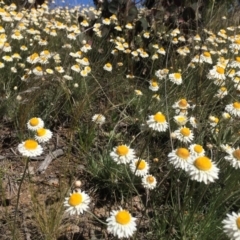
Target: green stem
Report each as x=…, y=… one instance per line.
x=18, y=198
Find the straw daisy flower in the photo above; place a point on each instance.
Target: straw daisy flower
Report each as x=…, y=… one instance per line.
x=153, y=85
x=149, y=181
x=43, y=135
x=108, y=67
x=176, y=78
x=202, y=169
x=35, y=123
x=231, y=226
x=218, y=72
x=30, y=148
x=180, y=120
x=139, y=167
x=77, y=202
x=158, y=122
x=233, y=109
x=121, y=223
x=184, y=134
x=196, y=150
x=99, y=119
x=234, y=158
x=122, y=154
x=180, y=158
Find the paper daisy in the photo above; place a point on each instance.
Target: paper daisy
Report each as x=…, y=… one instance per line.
x=180, y=120
x=35, y=123
x=176, y=78
x=206, y=57
x=43, y=135
x=158, y=122
x=196, y=150
x=99, y=119
x=121, y=223
x=231, y=226
x=233, y=157
x=233, y=109
x=77, y=202
x=181, y=104
x=139, y=167
x=180, y=158
x=217, y=73
x=202, y=169
x=30, y=148
x=108, y=67
x=184, y=135
x=122, y=154
x=153, y=85
x=149, y=181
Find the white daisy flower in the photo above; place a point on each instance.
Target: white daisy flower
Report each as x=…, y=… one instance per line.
x=153, y=85
x=98, y=119
x=149, y=181
x=181, y=104
x=122, y=154
x=231, y=226
x=196, y=150
x=30, y=148
x=180, y=120
x=180, y=158
x=206, y=57
x=158, y=122
x=217, y=72
x=202, y=169
x=108, y=67
x=233, y=157
x=121, y=223
x=184, y=134
x=77, y=202
x=176, y=78
x=213, y=121
x=35, y=123
x=233, y=109
x=43, y=135
x=235, y=63
x=139, y=167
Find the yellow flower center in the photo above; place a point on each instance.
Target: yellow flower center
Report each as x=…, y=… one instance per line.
x=177, y=76
x=154, y=84
x=183, y=103
x=30, y=144
x=220, y=70
x=39, y=69
x=185, y=132
x=108, y=65
x=34, y=56
x=159, y=117
x=75, y=199
x=238, y=59
x=203, y=163
x=123, y=217
x=236, y=105
x=198, y=148
x=41, y=132
x=207, y=54
x=181, y=119
x=223, y=89
x=237, y=41
x=150, y=179
x=122, y=150
x=34, y=122
x=238, y=222
x=140, y=164
x=182, y=153
x=236, y=154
